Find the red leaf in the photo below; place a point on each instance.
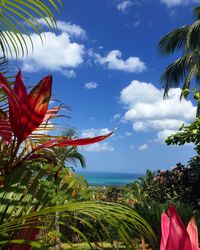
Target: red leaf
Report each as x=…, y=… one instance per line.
x=51, y=113
x=165, y=225
x=19, y=88
x=178, y=237
x=14, y=106
x=5, y=130
x=64, y=141
x=34, y=108
x=193, y=233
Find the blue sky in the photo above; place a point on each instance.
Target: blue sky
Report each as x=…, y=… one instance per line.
x=106, y=67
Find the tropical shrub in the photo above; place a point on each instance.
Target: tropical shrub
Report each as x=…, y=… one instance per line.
x=181, y=184
x=187, y=134
x=137, y=192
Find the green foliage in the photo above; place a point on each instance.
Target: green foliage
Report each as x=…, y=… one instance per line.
x=137, y=192
x=187, y=134
x=117, y=216
x=180, y=184
x=50, y=238
x=113, y=194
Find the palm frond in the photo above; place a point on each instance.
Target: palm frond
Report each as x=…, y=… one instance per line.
x=193, y=36
x=178, y=71
x=197, y=12
x=14, y=18
x=174, y=40
x=25, y=192
x=124, y=221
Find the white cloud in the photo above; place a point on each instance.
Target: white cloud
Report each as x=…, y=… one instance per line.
x=71, y=29
x=90, y=85
x=100, y=146
x=147, y=111
x=67, y=27
x=114, y=61
x=172, y=3
x=149, y=125
x=57, y=52
x=124, y=5
x=143, y=147
x=162, y=135
x=69, y=73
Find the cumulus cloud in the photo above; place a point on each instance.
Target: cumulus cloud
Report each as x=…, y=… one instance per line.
x=58, y=52
x=172, y=3
x=147, y=111
x=68, y=27
x=113, y=60
x=90, y=85
x=100, y=146
x=143, y=147
x=124, y=5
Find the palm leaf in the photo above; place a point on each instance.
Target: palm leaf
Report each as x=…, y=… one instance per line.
x=179, y=70
x=174, y=40
x=193, y=36
x=25, y=191
x=14, y=18
x=197, y=12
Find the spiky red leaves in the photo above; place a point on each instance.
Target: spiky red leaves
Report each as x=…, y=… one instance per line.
x=26, y=111
x=64, y=141
x=34, y=108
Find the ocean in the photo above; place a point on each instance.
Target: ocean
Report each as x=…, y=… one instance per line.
x=108, y=179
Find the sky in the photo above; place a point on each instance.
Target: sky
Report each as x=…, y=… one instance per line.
x=106, y=67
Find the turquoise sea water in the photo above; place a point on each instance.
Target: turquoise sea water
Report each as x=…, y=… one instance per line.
x=109, y=179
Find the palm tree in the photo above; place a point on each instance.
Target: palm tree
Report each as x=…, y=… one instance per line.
x=186, y=68
x=69, y=155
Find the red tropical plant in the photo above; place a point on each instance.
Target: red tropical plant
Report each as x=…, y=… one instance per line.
x=175, y=235
x=26, y=112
